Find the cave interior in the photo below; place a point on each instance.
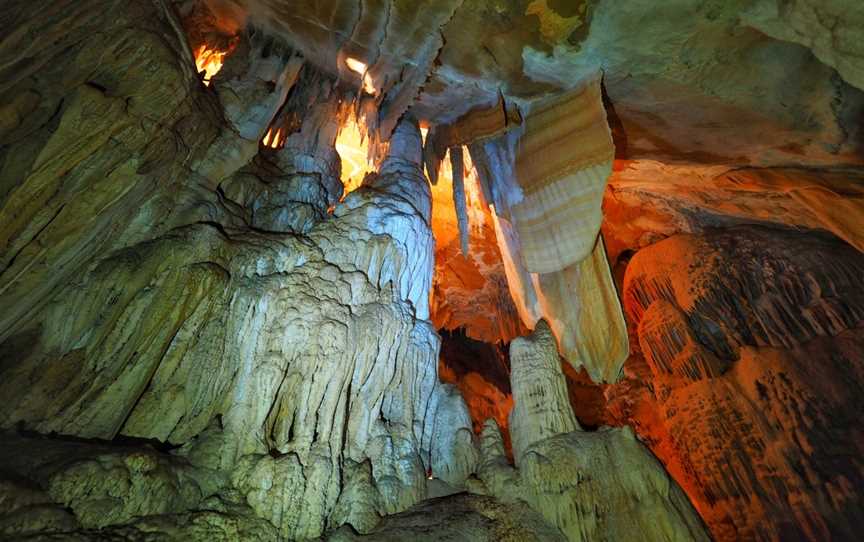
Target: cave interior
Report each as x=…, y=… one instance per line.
x=432, y=270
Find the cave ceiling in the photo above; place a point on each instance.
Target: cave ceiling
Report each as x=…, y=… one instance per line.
x=688, y=81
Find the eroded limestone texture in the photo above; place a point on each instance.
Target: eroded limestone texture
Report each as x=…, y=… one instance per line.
x=753, y=337
x=461, y=517
x=206, y=335
x=270, y=358
x=602, y=485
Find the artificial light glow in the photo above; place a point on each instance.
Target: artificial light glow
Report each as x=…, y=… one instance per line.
x=353, y=148
x=360, y=68
x=445, y=223
x=423, y=131
x=273, y=139
x=473, y=198
x=355, y=65
x=209, y=61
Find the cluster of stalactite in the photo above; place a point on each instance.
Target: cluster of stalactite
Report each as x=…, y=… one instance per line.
x=264, y=284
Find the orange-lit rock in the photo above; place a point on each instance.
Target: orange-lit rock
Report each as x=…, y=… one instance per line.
x=353, y=146
x=481, y=372
x=209, y=61
x=649, y=200
x=753, y=348
x=469, y=292
x=237, y=273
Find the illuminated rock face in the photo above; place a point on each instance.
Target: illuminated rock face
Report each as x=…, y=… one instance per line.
x=602, y=485
x=470, y=289
x=293, y=375
x=753, y=340
x=649, y=200
x=269, y=359
x=542, y=409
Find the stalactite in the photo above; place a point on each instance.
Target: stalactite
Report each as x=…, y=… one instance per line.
x=206, y=335
x=459, y=200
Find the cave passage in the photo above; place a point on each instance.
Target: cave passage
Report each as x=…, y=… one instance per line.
x=431, y=270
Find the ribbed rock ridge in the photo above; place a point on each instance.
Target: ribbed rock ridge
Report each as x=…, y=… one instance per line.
x=753, y=336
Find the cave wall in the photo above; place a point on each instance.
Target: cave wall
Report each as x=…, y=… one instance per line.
x=166, y=288
x=746, y=377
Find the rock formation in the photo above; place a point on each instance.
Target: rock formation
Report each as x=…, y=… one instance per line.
x=541, y=408
x=464, y=282
x=261, y=266
x=462, y=517
x=602, y=485
x=272, y=358
x=734, y=358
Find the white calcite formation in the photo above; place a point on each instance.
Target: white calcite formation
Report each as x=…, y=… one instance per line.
x=540, y=405
x=307, y=352
x=202, y=337
x=324, y=361
x=579, y=302
x=601, y=485
x=464, y=517
x=283, y=351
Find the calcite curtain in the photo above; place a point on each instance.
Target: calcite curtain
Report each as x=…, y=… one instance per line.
x=563, y=161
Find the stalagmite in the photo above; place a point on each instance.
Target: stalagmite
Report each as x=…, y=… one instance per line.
x=601, y=485
x=290, y=187
x=541, y=408
x=272, y=358
x=251, y=287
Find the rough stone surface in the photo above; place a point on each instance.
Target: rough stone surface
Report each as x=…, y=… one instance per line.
x=690, y=80
x=460, y=517
x=602, y=485
x=541, y=408
x=454, y=449
x=649, y=200
x=751, y=336
x=223, y=345
x=274, y=341
x=831, y=30
x=469, y=290
x=481, y=371
x=99, y=484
